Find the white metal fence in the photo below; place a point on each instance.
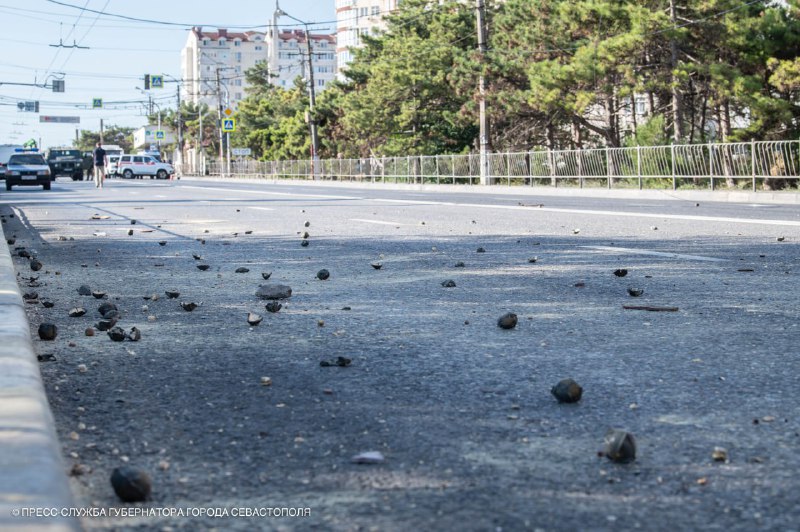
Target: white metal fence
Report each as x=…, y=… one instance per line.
x=771, y=164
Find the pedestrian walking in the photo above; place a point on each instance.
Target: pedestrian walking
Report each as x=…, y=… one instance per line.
x=100, y=163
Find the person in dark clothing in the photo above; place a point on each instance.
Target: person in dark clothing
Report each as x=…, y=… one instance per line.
x=100, y=163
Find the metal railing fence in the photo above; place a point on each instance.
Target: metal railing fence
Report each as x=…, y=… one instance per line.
x=773, y=164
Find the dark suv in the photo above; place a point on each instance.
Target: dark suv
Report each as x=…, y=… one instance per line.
x=66, y=161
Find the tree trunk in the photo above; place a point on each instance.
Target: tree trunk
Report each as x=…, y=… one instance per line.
x=723, y=119
x=551, y=146
x=677, y=126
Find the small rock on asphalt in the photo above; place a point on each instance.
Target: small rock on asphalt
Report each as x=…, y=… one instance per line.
x=369, y=457
x=77, y=312
x=97, y=294
x=242, y=270
x=131, y=484
x=172, y=294
x=449, y=283
x=719, y=454
x=89, y=332
x=567, y=391
x=48, y=304
x=30, y=296
x=266, y=275
x=117, y=334
x=323, y=275
x=162, y=243
x=274, y=291
x=35, y=265
x=342, y=362
x=135, y=335
x=481, y=250
x=274, y=306
x=376, y=265
x=105, y=325
x=188, y=306
x=507, y=321
x=460, y=265
x=203, y=267
x=105, y=308
x=635, y=292
x=622, y=272
x=254, y=319
x=84, y=290
x=304, y=243
x=620, y=446
x=48, y=331
x=307, y=224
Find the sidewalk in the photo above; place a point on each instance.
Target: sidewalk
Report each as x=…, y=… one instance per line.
x=32, y=473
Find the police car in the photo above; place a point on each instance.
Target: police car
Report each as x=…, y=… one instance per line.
x=27, y=168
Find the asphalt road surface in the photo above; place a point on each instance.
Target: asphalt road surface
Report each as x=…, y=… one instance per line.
x=460, y=409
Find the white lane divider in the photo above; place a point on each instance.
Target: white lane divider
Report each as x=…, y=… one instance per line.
x=260, y=208
x=757, y=221
x=268, y=193
x=377, y=222
x=634, y=251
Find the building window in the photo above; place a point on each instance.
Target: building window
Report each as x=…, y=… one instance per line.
x=237, y=42
x=375, y=11
x=320, y=82
x=239, y=56
x=205, y=42
x=362, y=12
x=238, y=95
x=237, y=82
x=259, y=48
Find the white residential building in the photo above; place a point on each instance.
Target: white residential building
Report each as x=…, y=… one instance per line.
x=232, y=54
x=355, y=18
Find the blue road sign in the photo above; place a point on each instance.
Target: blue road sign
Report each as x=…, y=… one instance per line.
x=160, y=135
x=229, y=125
x=156, y=81
x=97, y=103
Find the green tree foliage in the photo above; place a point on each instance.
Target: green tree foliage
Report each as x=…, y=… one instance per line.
x=561, y=73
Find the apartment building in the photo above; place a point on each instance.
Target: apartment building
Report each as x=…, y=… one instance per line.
x=232, y=54
x=355, y=18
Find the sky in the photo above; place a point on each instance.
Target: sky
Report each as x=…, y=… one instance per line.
x=119, y=53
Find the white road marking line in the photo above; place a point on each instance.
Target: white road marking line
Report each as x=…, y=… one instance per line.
x=790, y=223
x=277, y=193
x=260, y=208
x=633, y=251
x=378, y=222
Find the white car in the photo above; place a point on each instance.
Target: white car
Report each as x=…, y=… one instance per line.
x=130, y=166
x=113, y=165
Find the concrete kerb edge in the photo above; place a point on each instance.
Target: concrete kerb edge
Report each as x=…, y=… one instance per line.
x=724, y=196
x=32, y=472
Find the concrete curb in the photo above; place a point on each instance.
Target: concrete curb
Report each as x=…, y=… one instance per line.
x=32, y=473
x=724, y=196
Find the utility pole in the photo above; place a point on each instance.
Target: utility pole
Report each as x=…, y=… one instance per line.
x=180, y=127
x=312, y=102
x=677, y=119
x=221, y=136
x=484, y=120
x=101, y=131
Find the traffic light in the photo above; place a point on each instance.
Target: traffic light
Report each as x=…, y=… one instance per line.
x=36, y=106
x=58, y=85
x=147, y=82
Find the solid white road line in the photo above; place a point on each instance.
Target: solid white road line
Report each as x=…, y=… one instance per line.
x=790, y=223
x=378, y=222
x=633, y=251
x=260, y=208
x=268, y=193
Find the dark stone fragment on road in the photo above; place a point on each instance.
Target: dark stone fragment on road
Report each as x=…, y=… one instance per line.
x=48, y=304
x=533, y=260
x=130, y=232
x=112, y=315
x=449, y=283
x=307, y=224
x=346, y=308
x=304, y=243
x=376, y=265
x=188, y=306
x=460, y=264
x=274, y=291
x=266, y=275
x=24, y=254
x=11, y=241
x=323, y=275
x=242, y=270
x=481, y=250
x=341, y=362
x=162, y=243
x=567, y=391
x=89, y=332
x=48, y=331
x=30, y=296
x=35, y=265
x=133, y=222
x=172, y=294
x=105, y=308
x=97, y=294
x=620, y=446
x=507, y=321
x=117, y=334
x=203, y=267
x=135, y=335
x=106, y=325
x=635, y=292
x=274, y=306
x=195, y=256
x=253, y=319
x=131, y=484
x=306, y=235
x=48, y=357
x=77, y=312
x=621, y=272
x=84, y=290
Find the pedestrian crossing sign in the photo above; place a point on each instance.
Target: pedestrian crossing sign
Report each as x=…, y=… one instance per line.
x=160, y=134
x=97, y=103
x=156, y=81
x=229, y=125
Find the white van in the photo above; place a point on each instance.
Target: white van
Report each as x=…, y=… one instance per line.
x=6, y=151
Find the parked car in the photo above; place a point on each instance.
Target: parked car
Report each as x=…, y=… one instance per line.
x=6, y=151
x=65, y=161
x=28, y=169
x=131, y=166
